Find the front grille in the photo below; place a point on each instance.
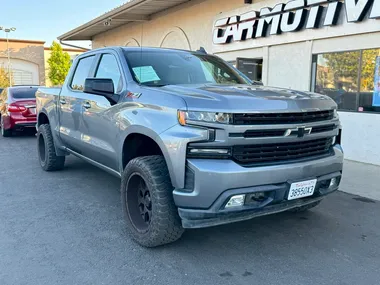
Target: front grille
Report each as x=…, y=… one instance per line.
x=321, y=129
x=262, y=154
x=282, y=118
x=259, y=134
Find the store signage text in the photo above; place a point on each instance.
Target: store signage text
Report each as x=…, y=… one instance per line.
x=292, y=16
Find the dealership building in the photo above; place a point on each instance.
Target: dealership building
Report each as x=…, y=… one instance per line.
x=326, y=46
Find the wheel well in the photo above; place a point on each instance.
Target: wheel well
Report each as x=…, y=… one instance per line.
x=43, y=119
x=137, y=145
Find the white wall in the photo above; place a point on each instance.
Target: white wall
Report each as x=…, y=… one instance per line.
x=289, y=66
x=361, y=136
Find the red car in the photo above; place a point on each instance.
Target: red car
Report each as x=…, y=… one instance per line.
x=17, y=109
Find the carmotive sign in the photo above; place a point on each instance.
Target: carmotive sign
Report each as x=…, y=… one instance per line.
x=292, y=16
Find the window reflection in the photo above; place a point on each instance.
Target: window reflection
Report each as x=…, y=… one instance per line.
x=348, y=78
x=337, y=77
x=367, y=78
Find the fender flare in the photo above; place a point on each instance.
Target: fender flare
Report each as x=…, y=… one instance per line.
x=138, y=129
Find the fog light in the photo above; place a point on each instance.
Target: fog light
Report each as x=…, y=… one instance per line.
x=333, y=182
x=333, y=140
x=235, y=201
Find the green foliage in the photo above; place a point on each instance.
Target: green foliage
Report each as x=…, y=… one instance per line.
x=368, y=69
x=4, y=78
x=59, y=64
x=344, y=65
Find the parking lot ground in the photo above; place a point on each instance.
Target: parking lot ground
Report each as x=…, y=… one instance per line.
x=67, y=228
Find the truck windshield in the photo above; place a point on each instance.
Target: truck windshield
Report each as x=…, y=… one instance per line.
x=160, y=68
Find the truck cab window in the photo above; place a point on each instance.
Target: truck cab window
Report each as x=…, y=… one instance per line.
x=81, y=73
x=109, y=69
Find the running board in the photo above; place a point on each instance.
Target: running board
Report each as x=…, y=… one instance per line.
x=97, y=164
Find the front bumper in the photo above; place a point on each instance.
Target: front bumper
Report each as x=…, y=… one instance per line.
x=274, y=202
x=215, y=181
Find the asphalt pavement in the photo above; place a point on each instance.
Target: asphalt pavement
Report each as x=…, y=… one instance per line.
x=67, y=228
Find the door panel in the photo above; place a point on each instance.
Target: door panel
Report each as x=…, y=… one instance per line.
x=71, y=119
x=99, y=131
x=70, y=105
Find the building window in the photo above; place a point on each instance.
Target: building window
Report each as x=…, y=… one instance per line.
x=349, y=78
x=251, y=67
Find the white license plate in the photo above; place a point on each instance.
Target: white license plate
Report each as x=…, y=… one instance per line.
x=302, y=189
x=32, y=110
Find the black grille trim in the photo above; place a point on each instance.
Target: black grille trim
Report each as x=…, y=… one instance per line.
x=321, y=129
x=282, y=118
x=259, y=134
x=264, y=154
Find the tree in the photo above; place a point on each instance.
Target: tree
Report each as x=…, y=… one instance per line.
x=59, y=64
x=345, y=66
x=368, y=69
x=4, y=78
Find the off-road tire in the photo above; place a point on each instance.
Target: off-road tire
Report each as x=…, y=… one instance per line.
x=165, y=225
x=305, y=208
x=5, y=133
x=49, y=160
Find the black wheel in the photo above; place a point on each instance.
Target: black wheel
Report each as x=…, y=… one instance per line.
x=5, y=133
x=147, y=201
x=48, y=159
x=305, y=208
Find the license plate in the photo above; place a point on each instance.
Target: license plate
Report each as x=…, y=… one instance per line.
x=32, y=110
x=302, y=189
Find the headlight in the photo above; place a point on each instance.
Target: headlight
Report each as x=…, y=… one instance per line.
x=207, y=117
x=336, y=115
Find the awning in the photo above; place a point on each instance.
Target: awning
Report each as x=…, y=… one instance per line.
x=132, y=11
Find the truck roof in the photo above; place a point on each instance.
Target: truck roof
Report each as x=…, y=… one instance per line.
x=144, y=49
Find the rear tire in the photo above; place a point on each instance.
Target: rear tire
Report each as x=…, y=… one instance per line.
x=146, y=194
x=46, y=151
x=304, y=208
x=5, y=133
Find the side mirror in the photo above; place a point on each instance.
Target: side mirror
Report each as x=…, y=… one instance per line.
x=100, y=86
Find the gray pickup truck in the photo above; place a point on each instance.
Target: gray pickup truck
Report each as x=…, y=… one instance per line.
x=194, y=143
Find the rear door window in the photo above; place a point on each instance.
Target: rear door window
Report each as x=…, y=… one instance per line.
x=24, y=93
x=82, y=71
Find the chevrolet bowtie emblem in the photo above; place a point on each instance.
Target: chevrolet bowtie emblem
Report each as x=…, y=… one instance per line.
x=300, y=132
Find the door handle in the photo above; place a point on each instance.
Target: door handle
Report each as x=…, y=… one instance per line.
x=86, y=105
x=62, y=101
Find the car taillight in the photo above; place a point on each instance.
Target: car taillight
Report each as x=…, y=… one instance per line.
x=13, y=108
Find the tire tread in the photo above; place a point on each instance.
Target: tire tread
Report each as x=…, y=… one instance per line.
x=52, y=161
x=166, y=225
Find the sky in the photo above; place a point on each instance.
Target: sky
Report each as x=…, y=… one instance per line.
x=46, y=20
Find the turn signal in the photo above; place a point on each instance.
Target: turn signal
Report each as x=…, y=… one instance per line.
x=181, y=118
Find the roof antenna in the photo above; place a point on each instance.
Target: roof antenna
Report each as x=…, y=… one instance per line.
x=202, y=50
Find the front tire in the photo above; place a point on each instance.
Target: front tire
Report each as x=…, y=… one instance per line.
x=146, y=194
x=46, y=151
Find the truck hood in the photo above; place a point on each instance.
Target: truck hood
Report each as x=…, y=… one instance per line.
x=248, y=98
